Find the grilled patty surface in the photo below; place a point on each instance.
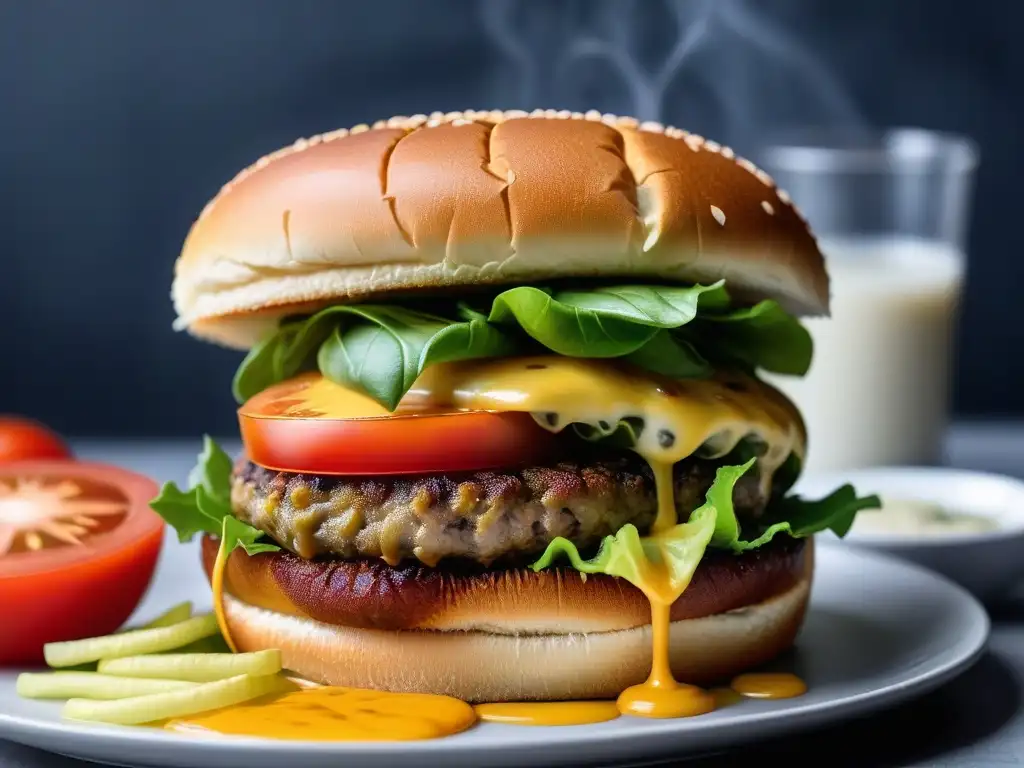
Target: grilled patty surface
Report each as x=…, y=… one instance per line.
x=488, y=517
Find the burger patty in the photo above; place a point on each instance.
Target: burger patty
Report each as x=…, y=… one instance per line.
x=483, y=516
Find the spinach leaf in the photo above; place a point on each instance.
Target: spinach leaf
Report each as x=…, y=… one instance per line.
x=385, y=354
x=671, y=355
x=603, y=322
x=762, y=336
x=677, y=331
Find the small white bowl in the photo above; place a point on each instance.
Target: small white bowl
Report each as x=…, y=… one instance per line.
x=986, y=562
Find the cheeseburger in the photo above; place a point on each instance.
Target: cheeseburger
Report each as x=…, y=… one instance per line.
x=505, y=436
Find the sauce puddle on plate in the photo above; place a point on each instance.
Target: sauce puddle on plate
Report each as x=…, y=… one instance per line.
x=548, y=712
x=330, y=713
x=338, y=714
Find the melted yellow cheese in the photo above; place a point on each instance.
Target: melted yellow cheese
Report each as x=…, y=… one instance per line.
x=679, y=416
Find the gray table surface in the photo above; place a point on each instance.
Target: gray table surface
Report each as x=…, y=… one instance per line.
x=976, y=720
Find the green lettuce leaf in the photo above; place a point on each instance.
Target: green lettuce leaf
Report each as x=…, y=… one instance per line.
x=206, y=506
x=792, y=515
x=263, y=366
x=762, y=336
x=603, y=322
x=379, y=349
x=629, y=556
x=677, y=331
x=713, y=524
x=671, y=355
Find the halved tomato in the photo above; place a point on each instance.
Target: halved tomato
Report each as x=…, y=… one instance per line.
x=78, y=547
x=22, y=438
x=309, y=424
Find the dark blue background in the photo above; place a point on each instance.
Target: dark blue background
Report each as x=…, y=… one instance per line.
x=120, y=118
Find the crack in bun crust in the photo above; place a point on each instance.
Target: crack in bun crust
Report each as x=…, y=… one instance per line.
x=487, y=198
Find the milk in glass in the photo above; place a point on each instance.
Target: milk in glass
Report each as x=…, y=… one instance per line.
x=878, y=388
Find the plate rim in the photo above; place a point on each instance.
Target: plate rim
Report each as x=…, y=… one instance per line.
x=748, y=728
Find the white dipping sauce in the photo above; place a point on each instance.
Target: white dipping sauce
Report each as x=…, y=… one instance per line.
x=914, y=517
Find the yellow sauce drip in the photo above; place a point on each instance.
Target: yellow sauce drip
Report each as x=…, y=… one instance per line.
x=769, y=685
x=661, y=696
x=217, y=586
x=548, y=712
x=665, y=493
x=338, y=714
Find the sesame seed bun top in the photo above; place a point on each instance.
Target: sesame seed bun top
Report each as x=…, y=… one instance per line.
x=463, y=199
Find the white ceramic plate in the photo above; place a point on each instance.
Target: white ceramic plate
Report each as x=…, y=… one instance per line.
x=879, y=631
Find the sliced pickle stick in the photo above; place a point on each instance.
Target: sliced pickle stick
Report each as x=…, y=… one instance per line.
x=173, y=615
x=90, y=685
x=133, y=643
x=196, y=667
x=163, y=706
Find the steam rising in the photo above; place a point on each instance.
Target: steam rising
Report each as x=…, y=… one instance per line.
x=720, y=67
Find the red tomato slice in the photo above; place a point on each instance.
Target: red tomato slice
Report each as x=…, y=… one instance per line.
x=22, y=438
x=296, y=426
x=78, y=546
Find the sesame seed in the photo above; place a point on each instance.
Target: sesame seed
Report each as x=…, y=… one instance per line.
x=361, y=128
x=719, y=215
x=783, y=196
x=300, y=144
x=592, y=114
x=461, y=121
x=513, y=114
x=746, y=165
x=763, y=177
x=576, y=115
x=767, y=207
x=433, y=122
x=693, y=141
x=537, y=113
x=728, y=153
x=652, y=126
x=564, y=114
x=449, y=116
x=437, y=115
x=712, y=146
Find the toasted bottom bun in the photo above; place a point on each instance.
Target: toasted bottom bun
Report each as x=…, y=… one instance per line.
x=370, y=594
x=479, y=665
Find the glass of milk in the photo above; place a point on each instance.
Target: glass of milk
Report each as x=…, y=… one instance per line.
x=890, y=212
